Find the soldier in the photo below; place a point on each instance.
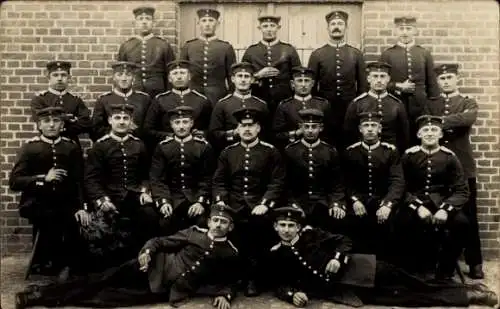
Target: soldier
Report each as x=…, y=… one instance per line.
x=273, y=61
x=192, y=262
x=122, y=93
x=459, y=113
x=77, y=115
x=339, y=73
x=49, y=175
x=212, y=56
x=149, y=52
x=311, y=263
x=395, y=127
x=286, y=124
x=181, y=174
x=250, y=178
x=222, y=123
x=157, y=122
x=375, y=186
x=432, y=222
x=317, y=164
x=412, y=76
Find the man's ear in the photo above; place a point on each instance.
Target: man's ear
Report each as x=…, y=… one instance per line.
x=231, y=226
x=321, y=127
x=109, y=120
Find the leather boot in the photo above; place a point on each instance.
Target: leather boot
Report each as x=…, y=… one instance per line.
x=476, y=272
x=251, y=289
x=482, y=298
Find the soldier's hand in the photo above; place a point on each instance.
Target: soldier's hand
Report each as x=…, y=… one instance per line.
x=220, y=203
x=259, y=210
x=406, y=86
x=299, y=132
x=144, y=260
x=145, y=198
x=359, y=209
x=424, y=213
x=300, y=299
x=55, y=174
x=267, y=72
x=195, y=210
x=383, y=213
x=220, y=302
x=440, y=217
x=333, y=266
x=82, y=217
x=107, y=206
x=166, y=210
x=133, y=126
x=336, y=212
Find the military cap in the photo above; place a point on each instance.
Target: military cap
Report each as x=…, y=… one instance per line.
x=55, y=111
x=123, y=66
x=302, y=71
x=179, y=64
x=208, y=13
x=182, y=111
x=58, y=66
x=221, y=210
x=311, y=115
x=405, y=20
x=122, y=108
x=269, y=19
x=370, y=117
x=429, y=120
x=291, y=212
x=148, y=10
x=446, y=68
x=247, y=113
x=378, y=66
x=242, y=66
x=336, y=14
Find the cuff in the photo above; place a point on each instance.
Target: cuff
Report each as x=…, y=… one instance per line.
x=336, y=204
x=415, y=204
x=218, y=198
x=203, y=200
x=292, y=136
x=144, y=190
x=160, y=202
x=228, y=297
x=40, y=180
x=85, y=207
x=354, y=199
x=289, y=295
x=101, y=200
x=342, y=258
x=386, y=204
x=230, y=135
x=267, y=203
x=447, y=207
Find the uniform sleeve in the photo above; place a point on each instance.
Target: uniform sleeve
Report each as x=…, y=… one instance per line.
x=216, y=130
x=362, y=82
x=230, y=60
x=99, y=120
x=83, y=124
x=77, y=165
x=157, y=174
x=465, y=118
x=37, y=103
x=122, y=52
x=184, y=55
x=351, y=123
x=332, y=247
x=386, y=57
x=336, y=189
x=350, y=177
x=314, y=65
x=143, y=164
x=281, y=135
x=204, y=117
x=410, y=200
x=431, y=85
x=21, y=179
x=403, y=135
x=93, y=173
x=206, y=172
x=294, y=58
x=153, y=121
x=221, y=178
x=276, y=181
x=171, y=243
x=457, y=185
x=396, y=180
x=168, y=56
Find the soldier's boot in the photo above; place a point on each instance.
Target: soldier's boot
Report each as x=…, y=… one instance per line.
x=251, y=289
x=482, y=297
x=28, y=298
x=476, y=271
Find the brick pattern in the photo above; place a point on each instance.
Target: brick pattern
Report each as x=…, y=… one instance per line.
x=89, y=33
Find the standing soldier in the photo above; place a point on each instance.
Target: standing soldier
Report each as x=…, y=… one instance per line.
x=459, y=114
x=157, y=122
x=339, y=73
x=222, y=130
x=77, y=115
x=49, y=173
x=212, y=56
x=286, y=124
x=413, y=79
x=250, y=178
x=395, y=127
x=375, y=186
x=150, y=52
x=273, y=60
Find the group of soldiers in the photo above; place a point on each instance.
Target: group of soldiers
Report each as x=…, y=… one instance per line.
x=189, y=152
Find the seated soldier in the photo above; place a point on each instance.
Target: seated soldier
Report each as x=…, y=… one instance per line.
x=375, y=185
x=49, y=174
x=311, y=263
x=192, y=262
x=431, y=226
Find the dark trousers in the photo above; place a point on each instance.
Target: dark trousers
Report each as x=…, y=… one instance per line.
x=472, y=251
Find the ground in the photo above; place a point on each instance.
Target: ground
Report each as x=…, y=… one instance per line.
x=12, y=280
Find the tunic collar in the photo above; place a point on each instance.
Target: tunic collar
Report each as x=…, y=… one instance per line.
x=117, y=138
x=184, y=140
x=272, y=43
x=340, y=44
x=316, y=143
x=450, y=95
x=205, y=39
x=145, y=38
x=242, y=96
x=406, y=46
x=429, y=152
x=252, y=144
x=59, y=93
x=121, y=94
x=292, y=242
x=216, y=239
x=302, y=99
x=377, y=96
x=370, y=147
x=181, y=93
x=50, y=141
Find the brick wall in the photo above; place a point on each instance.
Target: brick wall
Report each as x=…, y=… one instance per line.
x=88, y=33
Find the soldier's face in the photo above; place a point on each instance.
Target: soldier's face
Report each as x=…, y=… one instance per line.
x=123, y=79
x=378, y=80
x=219, y=226
x=406, y=33
x=302, y=85
x=50, y=126
x=179, y=78
x=58, y=80
x=311, y=130
x=370, y=130
x=430, y=135
x=242, y=80
x=447, y=82
x=287, y=230
x=144, y=23
x=181, y=126
x=336, y=28
x=208, y=25
x=120, y=123
x=269, y=30
x=248, y=130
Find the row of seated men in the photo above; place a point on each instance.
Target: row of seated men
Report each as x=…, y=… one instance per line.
x=306, y=256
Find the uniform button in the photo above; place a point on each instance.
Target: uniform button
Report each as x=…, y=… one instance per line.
x=338, y=67
x=300, y=258
x=427, y=187
x=207, y=253
x=182, y=149
x=310, y=193
x=143, y=80
x=446, y=142
x=245, y=186
x=338, y=74
x=205, y=84
x=446, y=105
x=311, y=162
x=246, y=168
x=144, y=74
x=205, y=65
x=245, y=192
x=193, y=267
x=311, y=169
x=246, y=162
x=429, y=168
x=369, y=157
x=247, y=155
x=182, y=163
x=183, y=274
x=143, y=68
x=426, y=193
x=183, y=187
x=311, y=175
x=245, y=179
x=446, y=112
x=370, y=194
x=182, y=174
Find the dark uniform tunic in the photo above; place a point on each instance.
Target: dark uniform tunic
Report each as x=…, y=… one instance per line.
x=214, y=58
x=340, y=76
x=71, y=104
x=395, y=126
x=277, y=54
x=157, y=122
x=314, y=180
x=287, y=118
x=151, y=53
